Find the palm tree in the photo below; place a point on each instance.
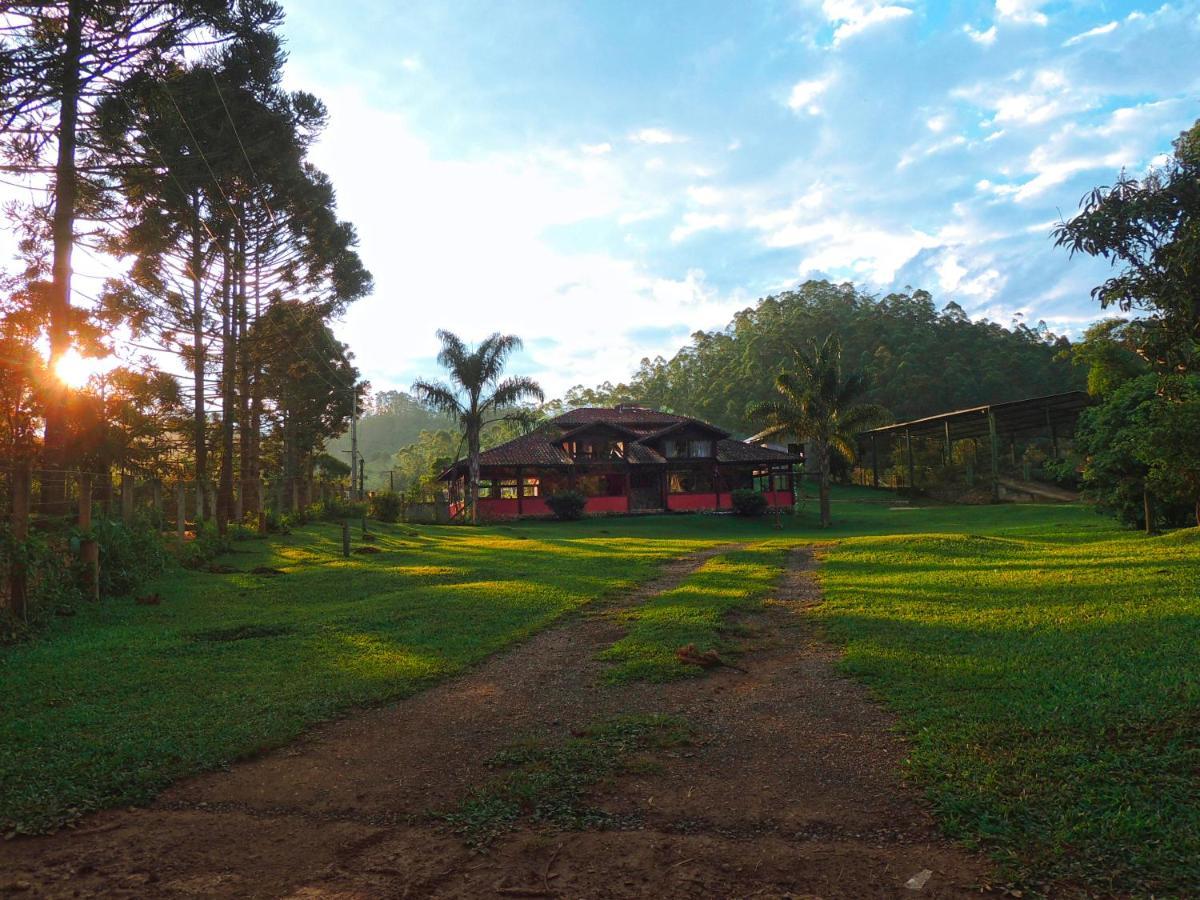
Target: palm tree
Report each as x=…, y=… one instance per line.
x=473, y=373
x=818, y=404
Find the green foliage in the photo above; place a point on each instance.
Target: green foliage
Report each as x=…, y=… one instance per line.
x=567, y=505
x=692, y=613
x=393, y=420
x=52, y=579
x=1047, y=679
x=206, y=545
x=549, y=783
x=386, y=507
x=1109, y=353
x=1137, y=430
x=335, y=509
x=129, y=555
x=748, y=502
x=1149, y=230
x=918, y=361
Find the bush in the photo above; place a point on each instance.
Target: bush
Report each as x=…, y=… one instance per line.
x=335, y=509
x=129, y=555
x=207, y=545
x=53, y=580
x=567, y=505
x=749, y=503
x=386, y=507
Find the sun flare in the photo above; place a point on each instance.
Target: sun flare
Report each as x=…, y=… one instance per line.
x=75, y=370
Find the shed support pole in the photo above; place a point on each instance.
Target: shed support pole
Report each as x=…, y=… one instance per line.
x=912, y=472
x=875, y=460
x=947, y=455
x=994, y=443
x=1053, y=436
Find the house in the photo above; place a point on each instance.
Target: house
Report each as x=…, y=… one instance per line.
x=624, y=459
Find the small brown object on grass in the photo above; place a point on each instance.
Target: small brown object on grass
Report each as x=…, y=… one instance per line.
x=709, y=659
x=367, y=549
x=149, y=600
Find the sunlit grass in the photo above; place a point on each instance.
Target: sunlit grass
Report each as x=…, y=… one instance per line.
x=695, y=612
x=1051, y=687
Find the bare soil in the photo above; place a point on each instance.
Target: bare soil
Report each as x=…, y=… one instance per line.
x=791, y=789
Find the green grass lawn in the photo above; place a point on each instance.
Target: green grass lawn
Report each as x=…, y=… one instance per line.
x=1043, y=661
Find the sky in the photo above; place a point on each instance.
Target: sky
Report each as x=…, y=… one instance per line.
x=605, y=178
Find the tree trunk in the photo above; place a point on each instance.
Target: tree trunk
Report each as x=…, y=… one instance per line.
x=54, y=487
x=473, y=449
x=199, y=438
x=823, y=461
x=225, y=486
x=245, y=500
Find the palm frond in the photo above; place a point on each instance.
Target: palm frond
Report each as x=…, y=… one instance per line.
x=513, y=390
x=438, y=397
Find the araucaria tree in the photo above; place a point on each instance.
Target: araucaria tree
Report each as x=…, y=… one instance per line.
x=476, y=395
x=821, y=405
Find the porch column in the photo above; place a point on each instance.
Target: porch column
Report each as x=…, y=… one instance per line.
x=994, y=441
x=874, y=460
x=520, y=490
x=912, y=472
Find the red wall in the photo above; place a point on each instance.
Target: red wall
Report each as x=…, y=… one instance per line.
x=535, y=506
x=691, y=501
x=607, y=505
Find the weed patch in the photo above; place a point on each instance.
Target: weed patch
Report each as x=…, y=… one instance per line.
x=549, y=784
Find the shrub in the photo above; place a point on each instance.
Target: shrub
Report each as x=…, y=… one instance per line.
x=749, y=503
x=567, y=505
x=386, y=507
x=335, y=509
x=53, y=580
x=129, y=554
x=207, y=544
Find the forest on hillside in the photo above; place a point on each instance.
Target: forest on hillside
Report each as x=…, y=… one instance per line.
x=919, y=360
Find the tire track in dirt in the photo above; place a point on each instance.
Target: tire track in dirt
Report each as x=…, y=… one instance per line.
x=792, y=789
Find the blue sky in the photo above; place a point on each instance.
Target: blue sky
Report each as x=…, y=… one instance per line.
x=605, y=178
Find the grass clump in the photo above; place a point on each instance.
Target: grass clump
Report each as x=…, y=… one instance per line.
x=693, y=613
x=549, y=784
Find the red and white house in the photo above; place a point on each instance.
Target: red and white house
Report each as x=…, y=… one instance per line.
x=627, y=459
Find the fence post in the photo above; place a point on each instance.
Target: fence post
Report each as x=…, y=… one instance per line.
x=345, y=538
x=156, y=496
x=89, y=549
x=126, y=497
x=180, y=510
x=19, y=517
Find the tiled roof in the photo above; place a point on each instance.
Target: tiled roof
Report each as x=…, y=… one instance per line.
x=736, y=451
x=533, y=449
x=541, y=447
x=636, y=417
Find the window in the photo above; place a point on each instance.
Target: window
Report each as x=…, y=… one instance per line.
x=594, y=450
x=531, y=486
x=508, y=489
x=690, y=481
x=763, y=479
x=700, y=448
x=485, y=489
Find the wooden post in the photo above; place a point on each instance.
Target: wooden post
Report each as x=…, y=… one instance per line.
x=947, y=454
x=995, y=448
x=1148, y=510
x=874, y=460
x=345, y=538
x=520, y=491
x=126, y=497
x=180, y=510
x=89, y=549
x=912, y=471
x=18, y=586
x=156, y=494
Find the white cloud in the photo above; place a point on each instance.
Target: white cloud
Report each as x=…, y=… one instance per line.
x=852, y=17
x=695, y=222
x=411, y=64
x=1090, y=33
x=1023, y=11
x=597, y=149
x=1045, y=95
x=656, y=136
x=986, y=38
x=805, y=93
x=705, y=195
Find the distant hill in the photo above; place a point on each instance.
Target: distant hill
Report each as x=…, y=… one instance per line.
x=920, y=360
x=392, y=419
